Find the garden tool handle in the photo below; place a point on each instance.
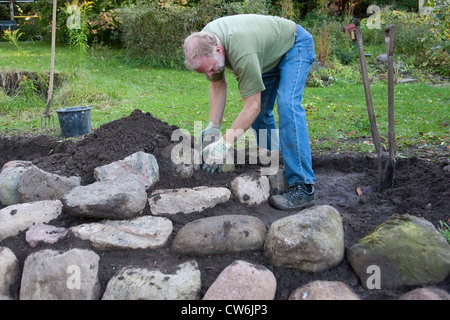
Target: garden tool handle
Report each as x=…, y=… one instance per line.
x=369, y=102
x=52, y=60
x=389, y=38
x=368, y=95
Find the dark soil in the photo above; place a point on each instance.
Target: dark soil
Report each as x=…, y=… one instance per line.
x=422, y=188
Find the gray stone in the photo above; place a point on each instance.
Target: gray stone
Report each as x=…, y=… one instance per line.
x=382, y=57
x=406, y=80
x=51, y=275
x=10, y=176
x=220, y=234
x=116, y=169
x=42, y=232
x=184, y=283
x=146, y=164
x=37, y=184
x=138, y=233
x=187, y=200
x=141, y=165
x=324, y=290
x=311, y=240
x=278, y=182
x=406, y=249
x=425, y=294
x=9, y=272
x=251, y=190
x=122, y=198
x=18, y=217
x=243, y=281
x=180, y=159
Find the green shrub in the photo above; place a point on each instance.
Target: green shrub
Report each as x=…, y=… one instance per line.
x=30, y=29
x=331, y=43
x=408, y=5
x=227, y=8
x=422, y=39
x=156, y=32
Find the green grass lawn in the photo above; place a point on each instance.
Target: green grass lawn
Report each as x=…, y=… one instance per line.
x=115, y=85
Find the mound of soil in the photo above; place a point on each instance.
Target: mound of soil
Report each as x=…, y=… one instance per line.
x=347, y=182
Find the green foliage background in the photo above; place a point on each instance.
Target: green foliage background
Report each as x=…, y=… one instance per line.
x=152, y=31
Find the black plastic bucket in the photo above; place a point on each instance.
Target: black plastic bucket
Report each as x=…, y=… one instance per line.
x=74, y=121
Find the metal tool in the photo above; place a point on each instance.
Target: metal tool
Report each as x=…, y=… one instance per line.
x=373, y=124
x=389, y=38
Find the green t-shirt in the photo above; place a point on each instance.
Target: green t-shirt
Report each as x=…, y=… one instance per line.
x=253, y=44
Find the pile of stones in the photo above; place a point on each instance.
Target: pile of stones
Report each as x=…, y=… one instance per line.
x=403, y=251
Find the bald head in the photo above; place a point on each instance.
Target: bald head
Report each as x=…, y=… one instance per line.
x=198, y=45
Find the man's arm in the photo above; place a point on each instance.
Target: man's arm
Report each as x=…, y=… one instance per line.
x=216, y=152
x=248, y=114
x=217, y=99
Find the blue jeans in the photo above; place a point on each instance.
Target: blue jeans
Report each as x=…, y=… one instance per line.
x=285, y=84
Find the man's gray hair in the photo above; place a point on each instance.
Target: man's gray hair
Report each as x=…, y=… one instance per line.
x=197, y=45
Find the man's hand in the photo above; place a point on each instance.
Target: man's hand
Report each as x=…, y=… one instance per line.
x=214, y=156
x=206, y=136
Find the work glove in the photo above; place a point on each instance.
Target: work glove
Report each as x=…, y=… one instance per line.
x=210, y=134
x=215, y=155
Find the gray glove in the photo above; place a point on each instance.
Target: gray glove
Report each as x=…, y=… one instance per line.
x=210, y=134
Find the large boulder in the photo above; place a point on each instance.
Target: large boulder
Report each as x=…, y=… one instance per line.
x=10, y=176
x=19, y=217
x=130, y=283
x=251, y=189
x=243, y=281
x=220, y=234
x=52, y=275
x=324, y=290
x=425, y=294
x=143, y=166
x=137, y=233
x=403, y=251
x=187, y=200
x=36, y=184
x=311, y=240
x=122, y=198
x=9, y=272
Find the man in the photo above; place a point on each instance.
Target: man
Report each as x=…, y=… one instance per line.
x=271, y=58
